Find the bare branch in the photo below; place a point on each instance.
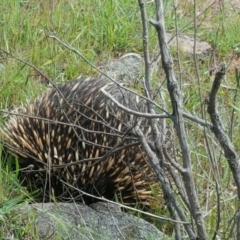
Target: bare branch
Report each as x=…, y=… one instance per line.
x=124, y=206
x=197, y=120
x=177, y=105
x=164, y=180
x=130, y=111
x=219, y=132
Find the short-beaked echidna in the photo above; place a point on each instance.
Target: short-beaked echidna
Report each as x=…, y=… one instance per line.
x=74, y=134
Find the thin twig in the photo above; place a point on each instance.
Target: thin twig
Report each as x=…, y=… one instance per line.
x=124, y=206
x=130, y=111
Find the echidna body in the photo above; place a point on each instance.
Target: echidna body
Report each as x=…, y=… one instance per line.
x=74, y=134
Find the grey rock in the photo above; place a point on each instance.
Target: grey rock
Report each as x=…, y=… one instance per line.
x=186, y=44
x=76, y=222
x=130, y=67
x=125, y=69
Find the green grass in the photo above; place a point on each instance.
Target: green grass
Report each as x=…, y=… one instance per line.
x=99, y=29
x=224, y=37
x=14, y=220
x=102, y=30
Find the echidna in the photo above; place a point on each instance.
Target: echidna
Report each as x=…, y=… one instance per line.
x=74, y=134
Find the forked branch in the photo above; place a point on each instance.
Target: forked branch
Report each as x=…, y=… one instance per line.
x=178, y=120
